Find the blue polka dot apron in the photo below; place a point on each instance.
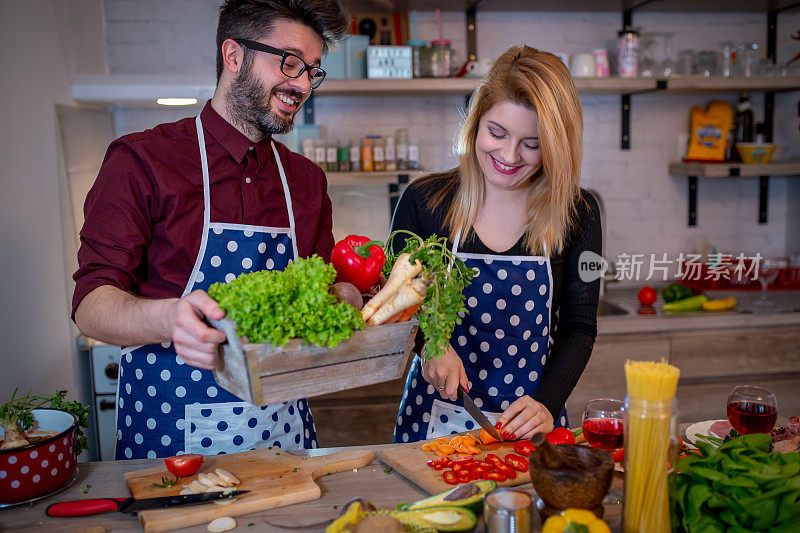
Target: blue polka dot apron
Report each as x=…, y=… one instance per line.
x=166, y=407
x=503, y=342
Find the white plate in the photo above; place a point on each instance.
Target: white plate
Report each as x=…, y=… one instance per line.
x=699, y=428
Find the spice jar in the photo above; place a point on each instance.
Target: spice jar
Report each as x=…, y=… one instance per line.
x=366, y=155
x=378, y=154
x=441, y=58
x=416, y=48
x=402, y=149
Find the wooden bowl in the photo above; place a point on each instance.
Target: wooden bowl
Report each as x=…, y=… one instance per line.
x=581, y=480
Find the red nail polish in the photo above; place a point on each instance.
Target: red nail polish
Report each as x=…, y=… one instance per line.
x=512, y=437
x=503, y=434
x=498, y=425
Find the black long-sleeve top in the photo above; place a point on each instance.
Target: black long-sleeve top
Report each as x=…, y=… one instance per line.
x=574, y=312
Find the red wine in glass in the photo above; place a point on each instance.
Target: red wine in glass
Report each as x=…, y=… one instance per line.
x=752, y=409
x=603, y=433
x=751, y=417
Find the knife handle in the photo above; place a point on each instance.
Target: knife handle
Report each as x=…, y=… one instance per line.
x=84, y=507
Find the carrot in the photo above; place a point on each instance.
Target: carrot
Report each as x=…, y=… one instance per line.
x=442, y=453
x=442, y=440
x=446, y=449
x=426, y=447
x=485, y=438
x=472, y=450
x=469, y=440
x=410, y=293
x=455, y=441
x=434, y=446
x=402, y=271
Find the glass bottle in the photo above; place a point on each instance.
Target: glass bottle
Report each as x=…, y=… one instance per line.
x=355, y=156
x=344, y=158
x=744, y=120
x=402, y=149
x=308, y=149
x=378, y=155
x=390, y=154
x=319, y=153
x=366, y=155
x=331, y=156
x=413, y=155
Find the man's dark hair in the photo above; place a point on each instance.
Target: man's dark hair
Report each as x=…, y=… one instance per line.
x=254, y=19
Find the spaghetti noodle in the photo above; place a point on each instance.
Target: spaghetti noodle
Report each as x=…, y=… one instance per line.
x=651, y=389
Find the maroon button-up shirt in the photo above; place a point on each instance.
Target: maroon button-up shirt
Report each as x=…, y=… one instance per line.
x=144, y=214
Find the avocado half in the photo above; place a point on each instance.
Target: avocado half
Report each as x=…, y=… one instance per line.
x=468, y=495
x=440, y=518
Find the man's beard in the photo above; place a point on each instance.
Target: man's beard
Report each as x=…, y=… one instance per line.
x=248, y=105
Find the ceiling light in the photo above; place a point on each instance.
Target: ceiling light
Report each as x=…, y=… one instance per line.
x=176, y=101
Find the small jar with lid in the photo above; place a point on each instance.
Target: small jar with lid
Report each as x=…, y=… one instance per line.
x=441, y=58
x=366, y=155
x=378, y=154
x=402, y=149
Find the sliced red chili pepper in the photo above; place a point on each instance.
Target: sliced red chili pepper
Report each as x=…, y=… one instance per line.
x=458, y=467
x=493, y=459
x=494, y=476
x=450, y=477
x=478, y=470
x=470, y=465
x=524, y=447
x=506, y=470
x=463, y=476
x=446, y=461
x=465, y=459
x=432, y=463
x=516, y=462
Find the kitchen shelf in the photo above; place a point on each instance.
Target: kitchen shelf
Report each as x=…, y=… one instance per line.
x=384, y=177
x=733, y=170
x=697, y=84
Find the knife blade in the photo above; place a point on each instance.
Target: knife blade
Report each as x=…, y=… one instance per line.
x=477, y=414
x=133, y=505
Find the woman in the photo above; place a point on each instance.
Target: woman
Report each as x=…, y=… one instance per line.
x=514, y=211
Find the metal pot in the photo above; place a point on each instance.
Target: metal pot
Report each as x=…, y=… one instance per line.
x=43, y=466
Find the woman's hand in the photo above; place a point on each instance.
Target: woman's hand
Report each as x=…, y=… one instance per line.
x=445, y=373
x=524, y=418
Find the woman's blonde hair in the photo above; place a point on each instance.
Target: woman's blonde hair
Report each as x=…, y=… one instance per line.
x=540, y=81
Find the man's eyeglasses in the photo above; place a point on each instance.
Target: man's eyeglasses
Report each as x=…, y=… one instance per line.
x=292, y=65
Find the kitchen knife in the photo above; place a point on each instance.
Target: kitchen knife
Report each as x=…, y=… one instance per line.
x=477, y=414
x=132, y=505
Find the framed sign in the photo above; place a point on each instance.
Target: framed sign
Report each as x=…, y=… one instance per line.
x=381, y=28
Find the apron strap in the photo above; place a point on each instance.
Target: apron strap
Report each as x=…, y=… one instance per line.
x=201, y=141
x=288, y=196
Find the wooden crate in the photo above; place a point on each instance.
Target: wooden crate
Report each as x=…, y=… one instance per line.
x=263, y=374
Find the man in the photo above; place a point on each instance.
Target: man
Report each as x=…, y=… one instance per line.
x=199, y=201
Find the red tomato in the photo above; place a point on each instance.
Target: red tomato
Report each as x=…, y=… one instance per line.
x=647, y=295
x=619, y=455
x=524, y=447
x=516, y=462
x=494, y=476
x=561, y=436
x=184, y=465
x=450, y=477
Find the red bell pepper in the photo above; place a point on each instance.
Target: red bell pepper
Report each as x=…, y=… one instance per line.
x=561, y=436
x=358, y=260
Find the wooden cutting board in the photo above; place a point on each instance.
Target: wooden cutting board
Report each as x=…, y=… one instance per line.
x=410, y=461
x=275, y=478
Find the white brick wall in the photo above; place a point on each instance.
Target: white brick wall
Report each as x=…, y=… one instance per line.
x=646, y=207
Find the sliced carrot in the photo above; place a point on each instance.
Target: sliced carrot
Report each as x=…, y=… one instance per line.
x=469, y=440
x=426, y=447
x=486, y=438
x=464, y=455
x=441, y=453
x=446, y=449
x=443, y=440
x=472, y=449
x=433, y=446
x=455, y=441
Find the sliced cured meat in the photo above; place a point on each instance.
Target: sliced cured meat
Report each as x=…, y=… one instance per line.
x=788, y=445
x=720, y=429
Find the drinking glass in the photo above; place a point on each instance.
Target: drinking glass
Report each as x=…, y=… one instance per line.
x=602, y=423
x=707, y=63
x=768, y=270
x=668, y=67
x=728, y=52
x=647, y=65
x=752, y=409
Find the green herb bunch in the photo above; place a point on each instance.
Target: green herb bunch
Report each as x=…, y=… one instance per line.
x=16, y=415
x=447, y=276
x=738, y=487
x=275, y=306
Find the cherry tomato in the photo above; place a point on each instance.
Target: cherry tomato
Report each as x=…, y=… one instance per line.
x=184, y=465
x=516, y=462
x=561, y=436
x=647, y=295
x=450, y=477
x=619, y=455
x=494, y=476
x=524, y=447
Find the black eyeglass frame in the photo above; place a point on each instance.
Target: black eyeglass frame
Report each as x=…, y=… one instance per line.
x=261, y=47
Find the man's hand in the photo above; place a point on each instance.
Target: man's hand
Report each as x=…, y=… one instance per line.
x=445, y=373
x=195, y=341
x=523, y=419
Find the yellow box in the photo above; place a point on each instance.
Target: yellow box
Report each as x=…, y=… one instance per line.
x=755, y=152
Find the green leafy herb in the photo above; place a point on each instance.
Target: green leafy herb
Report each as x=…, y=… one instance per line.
x=16, y=417
x=443, y=306
x=86, y=490
x=251, y=524
x=275, y=306
x=335, y=506
x=166, y=482
x=387, y=470
x=742, y=485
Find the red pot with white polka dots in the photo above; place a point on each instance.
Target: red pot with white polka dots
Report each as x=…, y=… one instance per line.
x=44, y=465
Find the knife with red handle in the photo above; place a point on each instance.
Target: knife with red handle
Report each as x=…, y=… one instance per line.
x=132, y=505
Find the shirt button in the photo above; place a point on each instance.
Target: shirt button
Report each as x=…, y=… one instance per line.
x=251, y=148
x=247, y=180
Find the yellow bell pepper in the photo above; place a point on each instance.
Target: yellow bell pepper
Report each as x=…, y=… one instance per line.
x=575, y=521
x=351, y=517
x=722, y=304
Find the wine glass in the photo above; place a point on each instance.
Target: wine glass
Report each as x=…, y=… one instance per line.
x=768, y=269
x=752, y=409
x=602, y=423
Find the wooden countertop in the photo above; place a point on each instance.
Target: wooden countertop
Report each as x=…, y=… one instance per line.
x=371, y=482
